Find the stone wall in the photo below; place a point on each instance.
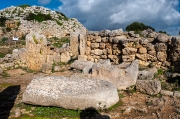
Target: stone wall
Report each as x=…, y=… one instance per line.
x=149, y=47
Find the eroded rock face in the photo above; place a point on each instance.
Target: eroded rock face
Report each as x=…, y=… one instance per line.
x=151, y=87
x=121, y=78
x=36, y=48
x=70, y=92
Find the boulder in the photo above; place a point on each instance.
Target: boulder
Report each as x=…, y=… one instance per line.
x=46, y=68
x=151, y=87
x=162, y=38
x=147, y=74
x=85, y=66
x=121, y=78
x=70, y=92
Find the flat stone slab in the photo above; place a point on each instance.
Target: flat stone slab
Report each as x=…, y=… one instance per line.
x=70, y=92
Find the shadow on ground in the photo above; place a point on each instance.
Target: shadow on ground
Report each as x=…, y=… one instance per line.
x=7, y=99
x=92, y=113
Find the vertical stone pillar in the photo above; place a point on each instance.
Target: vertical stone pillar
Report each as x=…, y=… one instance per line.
x=36, y=47
x=74, y=43
x=82, y=47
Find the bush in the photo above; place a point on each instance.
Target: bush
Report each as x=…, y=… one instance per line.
x=137, y=27
x=24, y=6
x=8, y=29
x=38, y=17
x=3, y=41
x=2, y=21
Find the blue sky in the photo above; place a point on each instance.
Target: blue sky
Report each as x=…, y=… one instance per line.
x=114, y=14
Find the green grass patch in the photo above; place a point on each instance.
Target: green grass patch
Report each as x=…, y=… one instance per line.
x=5, y=75
x=41, y=112
x=59, y=42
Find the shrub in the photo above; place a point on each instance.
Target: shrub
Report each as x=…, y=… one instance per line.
x=24, y=6
x=38, y=17
x=3, y=41
x=8, y=29
x=2, y=21
x=137, y=27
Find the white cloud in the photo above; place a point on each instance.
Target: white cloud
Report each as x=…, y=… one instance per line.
x=113, y=14
x=44, y=2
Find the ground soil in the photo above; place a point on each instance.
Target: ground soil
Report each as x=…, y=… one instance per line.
x=132, y=105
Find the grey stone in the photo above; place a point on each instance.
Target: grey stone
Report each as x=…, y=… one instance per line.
x=177, y=94
x=151, y=87
x=147, y=74
x=121, y=78
x=70, y=92
x=162, y=38
x=46, y=68
x=166, y=92
x=161, y=47
x=85, y=66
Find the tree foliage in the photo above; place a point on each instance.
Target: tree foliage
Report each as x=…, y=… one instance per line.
x=136, y=26
x=24, y=6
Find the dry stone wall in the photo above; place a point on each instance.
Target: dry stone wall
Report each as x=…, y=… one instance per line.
x=149, y=47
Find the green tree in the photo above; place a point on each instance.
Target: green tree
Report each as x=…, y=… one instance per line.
x=137, y=27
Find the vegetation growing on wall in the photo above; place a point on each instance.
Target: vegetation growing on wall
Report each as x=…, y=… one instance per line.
x=137, y=27
x=24, y=6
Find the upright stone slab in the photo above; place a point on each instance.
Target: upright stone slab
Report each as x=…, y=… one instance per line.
x=70, y=92
x=74, y=43
x=36, y=48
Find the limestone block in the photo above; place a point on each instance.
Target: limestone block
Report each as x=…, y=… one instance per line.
x=116, y=52
x=102, y=45
x=116, y=46
x=88, y=51
x=56, y=57
x=70, y=92
x=98, y=52
x=151, y=87
x=128, y=58
x=151, y=58
x=74, y=44
x=82, y=57
x=153, y=52
x=109, y=51
x=161, y=47
x=103, y=57
x=162, y=56
x=94, y=45
x=82, y=44
x=88, y=43
x=142, y=57
x=47, y=68
x=142, y=50
x=98, y=39
x=104, y=39
x=129, y=51
x=108, y=46
x=65, y=57
x=162, y=38
x=105, y=52
x=143, y=63
x=150, y=47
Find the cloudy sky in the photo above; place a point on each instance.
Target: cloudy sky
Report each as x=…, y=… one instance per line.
x=114, y=14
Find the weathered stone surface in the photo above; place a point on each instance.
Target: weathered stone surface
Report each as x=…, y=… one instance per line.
x=162, y=37
x=85, y=66
x=147, y=74
x=36, y=48
x=70, y=92
x=161, y=56
x=177, y=94
x=7, y=65
x=128, y=58
x=47, y=68
x=1, y=71
x=129, y=51
x=142, y=50
x=82, y=44
x=151, y=87
x=65, y=56
x=121, y=78
x=142, y=57
x=161, y=47
x=74, y=43
x=166, y=92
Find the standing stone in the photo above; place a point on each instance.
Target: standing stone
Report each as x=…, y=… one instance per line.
x=36, y=48
x=74, y=43
x=71, y=92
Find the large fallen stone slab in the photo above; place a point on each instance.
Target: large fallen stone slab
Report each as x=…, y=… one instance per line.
x=121, y=78
x=70, y=92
